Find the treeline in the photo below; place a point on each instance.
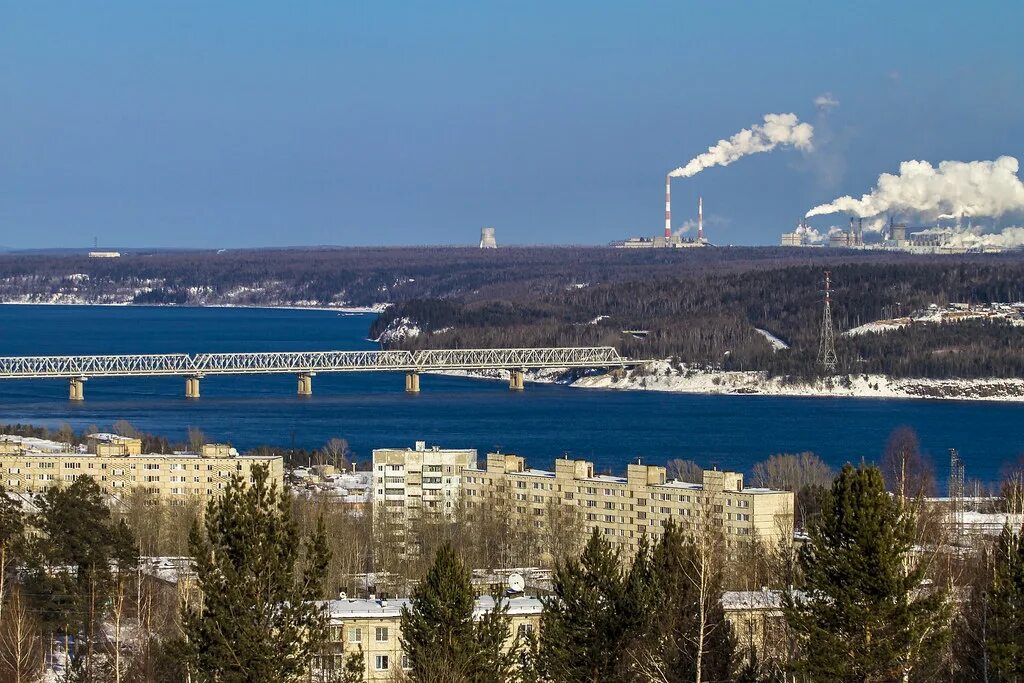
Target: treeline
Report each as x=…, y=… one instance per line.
x=709, y=318
x=361, y=277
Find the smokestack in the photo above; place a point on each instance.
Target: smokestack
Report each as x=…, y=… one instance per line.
x=668, y=207
x=700, y=219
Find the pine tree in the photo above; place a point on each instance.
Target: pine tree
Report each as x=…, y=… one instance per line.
x=1005, y=607
x=260, y=580
x=442, y=640
x=584, y=636
x=74, y=558
x=864, y=614
x=12, y=524
x=675, y=644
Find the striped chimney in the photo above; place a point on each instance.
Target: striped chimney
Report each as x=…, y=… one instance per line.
x=668, y=207
x=700, y=218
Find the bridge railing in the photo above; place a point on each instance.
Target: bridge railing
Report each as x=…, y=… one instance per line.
x=25, y=367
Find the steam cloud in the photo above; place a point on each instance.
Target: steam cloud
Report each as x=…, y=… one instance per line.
x=826, y=101
x=954, y=189
x=777, y=129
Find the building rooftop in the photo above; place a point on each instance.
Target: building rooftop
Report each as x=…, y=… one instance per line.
x=365, y=608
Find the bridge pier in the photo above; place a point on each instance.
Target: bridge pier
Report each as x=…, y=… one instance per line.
x=76, y=389
x=192, y=387
x=412, y=382
x=515, y=380
x=306, y=383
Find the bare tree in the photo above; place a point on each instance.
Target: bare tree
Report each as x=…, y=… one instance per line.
x=907, y=472
x=805, y=474
x=196, y=439
x=684, y=470
x=125, y=428
x=335, y=452
x=21, y=645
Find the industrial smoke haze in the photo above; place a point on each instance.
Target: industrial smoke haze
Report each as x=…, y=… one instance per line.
x=777, y=129
x=951, y=190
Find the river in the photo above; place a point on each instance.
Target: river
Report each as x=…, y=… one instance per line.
x=371, y=409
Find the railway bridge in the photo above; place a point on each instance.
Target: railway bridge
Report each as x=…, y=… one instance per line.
x=305, y=365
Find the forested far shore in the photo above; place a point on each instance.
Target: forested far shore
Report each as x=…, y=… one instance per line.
x=712, y=318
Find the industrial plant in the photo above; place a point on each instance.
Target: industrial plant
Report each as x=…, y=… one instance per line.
x=487, y=240
x=894, y=237
x=669, y=240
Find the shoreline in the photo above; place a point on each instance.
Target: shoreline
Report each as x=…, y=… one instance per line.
x=375, y=308
x=753, y=383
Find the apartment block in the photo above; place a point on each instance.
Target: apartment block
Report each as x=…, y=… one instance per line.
x=373, y=627
x=626, y=508
x=409, y=481
x=119, y=466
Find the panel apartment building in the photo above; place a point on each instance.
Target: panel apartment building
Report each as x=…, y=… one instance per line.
x=118, y=465
x=409, y=481
x=373, y=627
x=626, y=508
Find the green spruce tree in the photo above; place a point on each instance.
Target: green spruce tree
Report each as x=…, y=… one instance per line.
x=586, y=629
x=260, y=579
x=442, y=640
x=686, y=634
x=76, y=554
x=1004, y=603
x=864, y=613
x=12, y=526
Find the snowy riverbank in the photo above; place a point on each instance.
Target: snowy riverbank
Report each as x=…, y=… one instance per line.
x=662, y=376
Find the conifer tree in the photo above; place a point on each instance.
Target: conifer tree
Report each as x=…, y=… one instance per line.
x=864, y=614
x=675, y=643
x=1005, y=607
x=12, y=524
x=586, y=630
x=442, y=640
x=260, y=580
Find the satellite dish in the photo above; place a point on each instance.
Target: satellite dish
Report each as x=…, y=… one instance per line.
x=516, y=583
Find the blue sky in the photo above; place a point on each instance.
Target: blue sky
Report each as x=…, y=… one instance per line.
x=199, y=124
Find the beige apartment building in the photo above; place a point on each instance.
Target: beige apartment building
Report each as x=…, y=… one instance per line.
x=119, y=466
x=409, y=481
x=626, y=508
x=373, y=627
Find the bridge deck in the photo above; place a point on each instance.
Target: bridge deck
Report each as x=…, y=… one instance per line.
x=198, y=365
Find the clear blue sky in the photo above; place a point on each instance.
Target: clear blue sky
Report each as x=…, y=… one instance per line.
x=209, y=124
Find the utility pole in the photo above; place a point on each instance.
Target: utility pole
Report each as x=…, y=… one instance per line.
x=827, y=344
x=956, y=493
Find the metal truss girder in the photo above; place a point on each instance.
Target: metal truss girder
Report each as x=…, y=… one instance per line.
x=432, y=360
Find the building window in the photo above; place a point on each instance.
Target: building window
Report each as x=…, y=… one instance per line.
x=380, y=662
x=355, y=635
x=381, y=634
x=405, y=662
x=525, y=629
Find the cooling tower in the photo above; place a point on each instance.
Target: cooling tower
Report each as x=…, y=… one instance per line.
x=487, y=240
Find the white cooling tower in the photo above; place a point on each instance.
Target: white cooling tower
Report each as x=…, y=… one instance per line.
x=487, y=240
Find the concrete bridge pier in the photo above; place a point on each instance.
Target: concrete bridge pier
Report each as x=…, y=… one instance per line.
x=192, y=386
x=306, y=383
x=412, y=382
x=76, y=389
x=515, y=380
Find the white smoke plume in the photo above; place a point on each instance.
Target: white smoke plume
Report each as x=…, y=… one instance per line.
x=826, y=101
x=975, y=238
x=688, y=226
x=809, y=234
x=777, y=129
x=953, y=189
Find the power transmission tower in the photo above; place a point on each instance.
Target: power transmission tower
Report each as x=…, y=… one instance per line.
x=956, y=493
x=827, y=345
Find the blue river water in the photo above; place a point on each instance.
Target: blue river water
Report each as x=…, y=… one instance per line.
x=371, y=409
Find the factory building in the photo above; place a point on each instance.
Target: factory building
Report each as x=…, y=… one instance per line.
x=624, y=509
x=669, y=240
x=119, y=466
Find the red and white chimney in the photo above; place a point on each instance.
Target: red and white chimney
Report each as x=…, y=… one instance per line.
x=700, y=218
x=668, y=207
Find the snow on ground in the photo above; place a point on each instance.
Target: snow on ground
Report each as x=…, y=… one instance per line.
x=598, y=319
x=1012, y=314
x=662, y=376
x=777, y=344
x=399, y=328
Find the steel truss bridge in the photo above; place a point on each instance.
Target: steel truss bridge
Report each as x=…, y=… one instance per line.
x=305, y=364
